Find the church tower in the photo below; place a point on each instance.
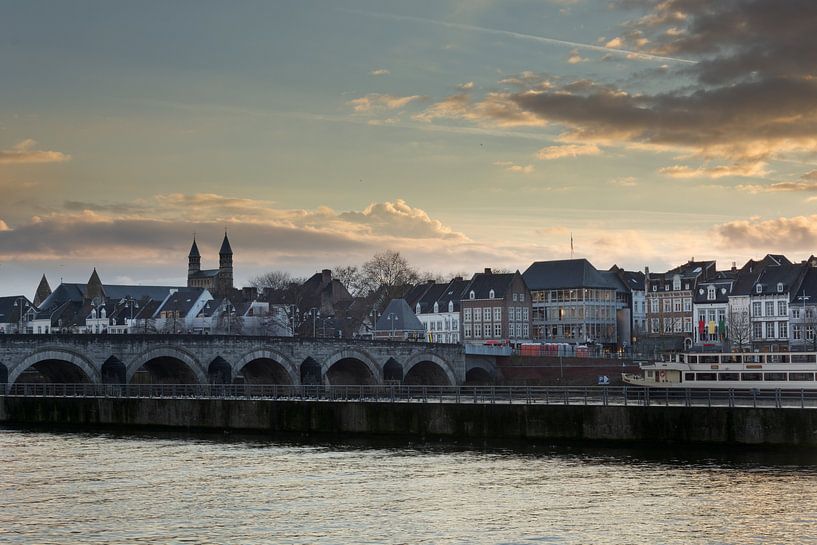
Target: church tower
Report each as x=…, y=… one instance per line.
x=94, y=290
x=225, y=267
x=43, y=291
x=193, y=261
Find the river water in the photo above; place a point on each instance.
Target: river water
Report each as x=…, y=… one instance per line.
x=100, y=488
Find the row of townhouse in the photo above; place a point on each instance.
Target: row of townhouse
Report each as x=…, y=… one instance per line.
x=766, y=305
x=97, y=308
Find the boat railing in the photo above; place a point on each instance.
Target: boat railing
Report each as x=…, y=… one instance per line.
x=749, y=358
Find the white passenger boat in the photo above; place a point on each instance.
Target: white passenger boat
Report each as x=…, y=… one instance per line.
x=739, y=370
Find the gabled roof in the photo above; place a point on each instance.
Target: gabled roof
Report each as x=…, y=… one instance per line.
x=398, y=317
x=786, y=276
x=182, y=301
x=43, y=291
x=482, y=284
x=723, y=288
x=432, y=294
x=207, y=273
x=565, y=273
x=76, y=293
x=9, y=313
x=453, y=292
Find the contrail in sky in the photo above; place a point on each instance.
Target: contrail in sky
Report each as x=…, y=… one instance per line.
x=522, y=36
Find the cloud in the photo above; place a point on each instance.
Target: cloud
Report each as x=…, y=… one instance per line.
x=376, y=102
x=23, y=153
x=628, y=181
x=568, y=150
x=512, y=167
x=155, y=228
x=493, y=109
x=750, y=169
x=576, y=58
x=781, y=234
x=806, y=183
x=380, y=72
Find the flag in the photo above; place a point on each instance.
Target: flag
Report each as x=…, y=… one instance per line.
x=571, y=245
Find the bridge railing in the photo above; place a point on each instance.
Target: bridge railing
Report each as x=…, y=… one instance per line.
x=548, y=395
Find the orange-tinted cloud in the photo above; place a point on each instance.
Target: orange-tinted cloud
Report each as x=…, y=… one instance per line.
x=24, y=153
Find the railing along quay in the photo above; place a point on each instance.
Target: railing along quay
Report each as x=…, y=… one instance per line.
x=539, y=395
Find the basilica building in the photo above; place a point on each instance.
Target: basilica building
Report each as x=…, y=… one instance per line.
x=218, y=281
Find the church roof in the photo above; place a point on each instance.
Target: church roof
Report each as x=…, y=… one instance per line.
x=194, y=249
x=208, y=273
x=43, y=291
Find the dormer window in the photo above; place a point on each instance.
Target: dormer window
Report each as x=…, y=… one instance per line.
x=710, y=293
x=758, y=288
x=676, y=283
x=436, y=307
x=780, y=287
x=417, y=309
x=472, y=295
x=451, y=306
x=492, y=294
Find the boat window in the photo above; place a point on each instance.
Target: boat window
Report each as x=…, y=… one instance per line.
x=709, y=359
x=774, y=376
x=728, y=376
x=692, y=359
x=801, y=376
x=751, y=376
x=803, y=358
x=706, y=376
x=689, y=376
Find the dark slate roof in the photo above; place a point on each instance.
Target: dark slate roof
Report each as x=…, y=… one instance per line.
x=723, y=288
x=453, y=292
x=182, y=301
x=482, y=284
x=432, y=294
x=8, y=312
x=416, y=293
x=565, y=273
x=808, y=287
x=76, y=293
x=225, y=246
x=405, y=319
x=789, y=275
x=194, y=249
x=615, y=281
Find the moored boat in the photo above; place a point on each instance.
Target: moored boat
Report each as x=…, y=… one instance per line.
x=738, y=370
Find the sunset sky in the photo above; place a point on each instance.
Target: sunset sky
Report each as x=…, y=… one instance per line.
x=464, y=134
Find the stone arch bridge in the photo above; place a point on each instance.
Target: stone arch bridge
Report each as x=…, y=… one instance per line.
x=203, y=359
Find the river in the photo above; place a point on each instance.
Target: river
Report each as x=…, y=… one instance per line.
x=102, y=488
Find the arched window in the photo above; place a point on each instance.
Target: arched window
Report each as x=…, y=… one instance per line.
x=491, y=294
x=451, y=306
x=436, y=307
x=472, y=295
x=417, y=309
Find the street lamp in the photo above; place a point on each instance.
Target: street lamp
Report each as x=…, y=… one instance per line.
x=18, y=304
x=392, y=317
x=803, y=298
x=315, y=315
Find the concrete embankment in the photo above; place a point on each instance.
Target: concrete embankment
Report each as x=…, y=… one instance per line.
x=428, y=420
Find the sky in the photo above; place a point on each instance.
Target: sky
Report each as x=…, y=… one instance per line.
x=463, y=133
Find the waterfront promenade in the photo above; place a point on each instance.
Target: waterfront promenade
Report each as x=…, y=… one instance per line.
x=614, y=414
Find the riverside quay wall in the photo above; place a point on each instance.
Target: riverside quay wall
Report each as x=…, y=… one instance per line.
x=455, y=421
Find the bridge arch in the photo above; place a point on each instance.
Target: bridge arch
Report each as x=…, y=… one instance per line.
x=392, y=371
x=351, y=367
x=80, y=368
x=478, y=373
x=281, y=370
x=428, y=368
x=167, y=354
x=219, y=371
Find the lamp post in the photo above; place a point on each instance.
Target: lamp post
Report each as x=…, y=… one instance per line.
x=315, y=314
x=803, y=298
x=392, y=317
x=18, y=303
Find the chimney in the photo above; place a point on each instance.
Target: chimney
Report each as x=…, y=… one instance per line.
x=487, y=270
x=430, y=281
x=458, y=279
x=326, y=276
x=734, y=266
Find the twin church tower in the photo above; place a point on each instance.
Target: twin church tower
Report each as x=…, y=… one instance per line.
x=218, y=281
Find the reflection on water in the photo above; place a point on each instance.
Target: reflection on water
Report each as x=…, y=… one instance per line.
x=95, y=488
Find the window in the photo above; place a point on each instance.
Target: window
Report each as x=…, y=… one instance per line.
x=497, y=330
x=477, y=316
x=436, y=307
x=491, y=294
x=477, y=331
x=525, y=315
x=677, y=325
x=654, y=305
x=676, y=305
x=525, y=331
x=667, y=305
x=667, y=325
x=467, y=315
x=687, y=325
x=783, y=330
x=781, y=308
x=687, y=304
x=676, y=283
x=518, y=314
x=497, y=314
x=780, y=287
x=417, y=309
x=797, y=332
x=756, y=309
x=655, y=325
x=486, y=314
x=809, y=332
x=770, y=330
x=801, y=376
x=769, y=308
x=521, y=297
x=759, y=288
x=451, y=306
x=757, y=330
x=471, y=295
x=711, y=292
x=467, y=329
x=515, y=297
x=751, y=376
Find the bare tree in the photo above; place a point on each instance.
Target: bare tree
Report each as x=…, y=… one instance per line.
x=738, y=328
x=274, y=280
x=387, y=273
x=350, y=276
x=173, y=324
